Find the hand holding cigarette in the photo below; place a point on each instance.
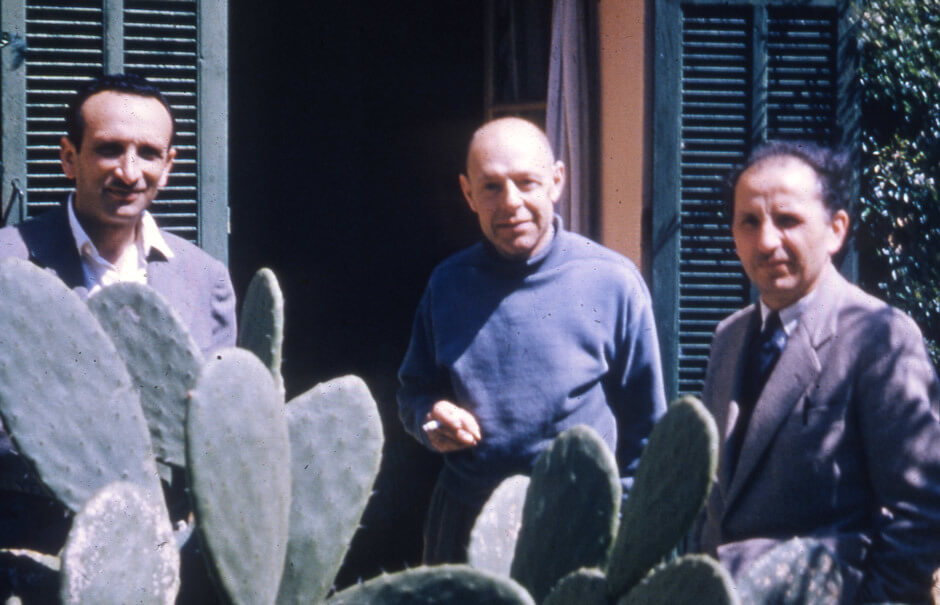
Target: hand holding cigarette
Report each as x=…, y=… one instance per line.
x=450, y=428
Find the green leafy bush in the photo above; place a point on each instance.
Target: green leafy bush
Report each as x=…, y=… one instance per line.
x=899, y=231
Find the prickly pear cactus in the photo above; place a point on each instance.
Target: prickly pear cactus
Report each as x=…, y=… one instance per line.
x=493, y=539
x=695, y=579
x=796, y=572
x=65, y=395
x=336, y=446
x=575, y=478
x=438, y=585
x=672, y=482
x=581, y=587
x=120, y=550
x=161, y=356
x=238, y=459
x=261, y=325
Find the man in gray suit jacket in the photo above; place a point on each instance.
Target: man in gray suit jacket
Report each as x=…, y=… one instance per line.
x=118, y=150
x=825, y=397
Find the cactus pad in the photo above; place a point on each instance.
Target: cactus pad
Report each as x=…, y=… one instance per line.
x=438, y=585
x=695, y=579
x=120, y=550
x=672, y=482
x=795, y=572
x=261, y=325
x=581, y=587
x=576, y=478
x=238, y=459
x=65, y=395
x=336, y=446
x=493, y=539
x=161, y=356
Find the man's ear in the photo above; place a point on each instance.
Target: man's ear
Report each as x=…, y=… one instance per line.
x=558, y=180
x=67, y=155
x=467, y=191
x=170, y=156
x=840, y=229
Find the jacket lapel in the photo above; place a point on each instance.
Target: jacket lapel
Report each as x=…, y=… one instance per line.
x=728, y=386
x=796, y=372
x=52, y=246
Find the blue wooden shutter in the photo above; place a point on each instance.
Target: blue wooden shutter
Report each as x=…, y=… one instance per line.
x=178, y=44
x=728, y=77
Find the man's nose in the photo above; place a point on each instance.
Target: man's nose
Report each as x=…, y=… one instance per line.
x=768, y=237
x=128, y=169
x=512, y=197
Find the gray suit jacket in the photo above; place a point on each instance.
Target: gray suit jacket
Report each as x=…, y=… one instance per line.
x=843, y=445
x=195, y=284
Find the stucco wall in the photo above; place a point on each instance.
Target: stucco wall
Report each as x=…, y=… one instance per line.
x=624, y=139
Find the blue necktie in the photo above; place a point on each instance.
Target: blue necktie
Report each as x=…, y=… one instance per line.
x=764, y=351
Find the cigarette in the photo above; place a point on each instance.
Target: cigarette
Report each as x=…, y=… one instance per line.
x=430, y=425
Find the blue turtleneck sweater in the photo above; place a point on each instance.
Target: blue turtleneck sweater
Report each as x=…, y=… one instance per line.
x=531, y=348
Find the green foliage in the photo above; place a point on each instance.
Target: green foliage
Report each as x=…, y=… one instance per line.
x=673, y=480
x=238, y=458
x=583, y=586
x=336, y=445
x=899, y=82
x=576, y=477
x=494, y=535
x=120, y=550
x=161, y=356
x=690, y=579
x=261, y=325
x=74, y=413
x=65, y=395
x=439, y=585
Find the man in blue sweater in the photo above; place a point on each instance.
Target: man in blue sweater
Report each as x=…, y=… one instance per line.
x=529, y=332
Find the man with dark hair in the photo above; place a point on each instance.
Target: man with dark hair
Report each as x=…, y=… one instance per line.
x=521, y=336
x=825, y=397
x=118, y=150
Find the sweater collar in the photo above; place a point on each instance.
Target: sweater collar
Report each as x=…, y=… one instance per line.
x=525, y=265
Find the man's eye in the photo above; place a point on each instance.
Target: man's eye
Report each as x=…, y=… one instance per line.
x=527, y=184
x=108, y=150
x=492, y=187
x=150, y=153
x=787, y=222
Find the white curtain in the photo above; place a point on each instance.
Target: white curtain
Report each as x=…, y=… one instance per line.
x=571, y=115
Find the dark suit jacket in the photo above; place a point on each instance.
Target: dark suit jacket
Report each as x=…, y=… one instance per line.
x=195, y=284
x=843, y=445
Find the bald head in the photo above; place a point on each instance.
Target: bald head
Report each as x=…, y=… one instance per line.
x=503, y=130
x=512, y=183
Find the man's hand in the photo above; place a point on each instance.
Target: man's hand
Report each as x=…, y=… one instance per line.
x=451, y=428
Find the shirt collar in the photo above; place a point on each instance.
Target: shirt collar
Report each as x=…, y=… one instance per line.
x=148, y=239
x=789, y=316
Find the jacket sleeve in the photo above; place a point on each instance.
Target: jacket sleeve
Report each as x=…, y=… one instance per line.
x=898, y=395
x=222, y=309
